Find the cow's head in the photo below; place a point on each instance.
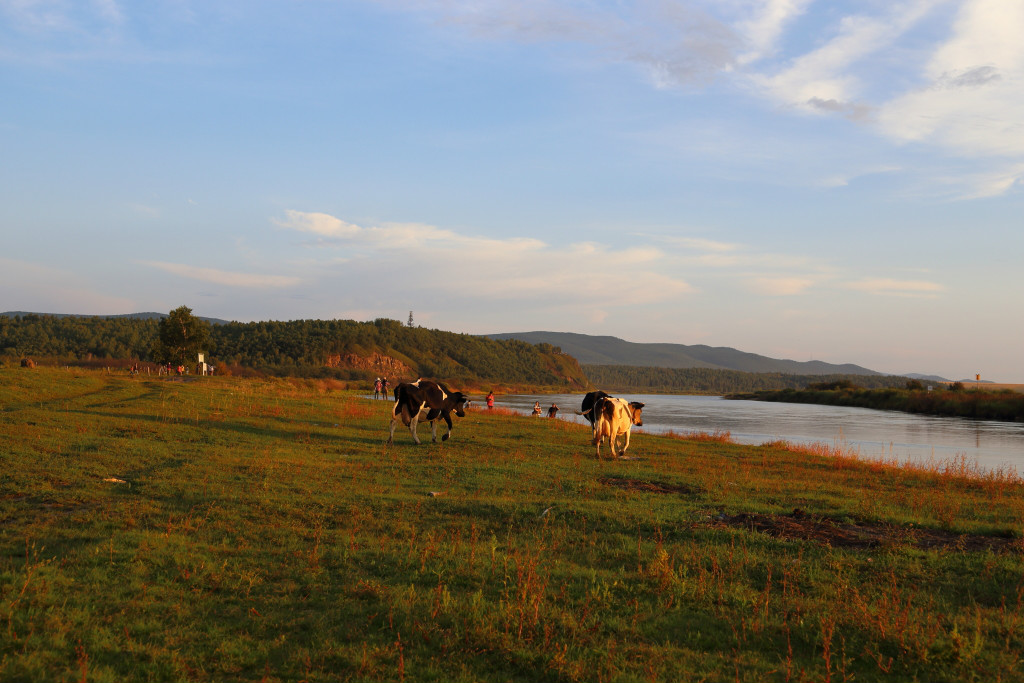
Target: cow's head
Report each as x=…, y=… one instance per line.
x=460, y=401
x=635, y=410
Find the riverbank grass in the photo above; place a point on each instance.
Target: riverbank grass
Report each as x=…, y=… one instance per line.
x=228, y=529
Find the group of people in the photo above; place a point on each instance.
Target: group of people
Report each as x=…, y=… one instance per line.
x=537, y=410
x=380, y=390
x=170, y=369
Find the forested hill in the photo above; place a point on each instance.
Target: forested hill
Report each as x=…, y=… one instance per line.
x=147, y=315
x=345, y=349
x=604, y=350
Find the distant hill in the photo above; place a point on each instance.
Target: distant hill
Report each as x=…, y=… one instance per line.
x=148, y=315
x=604, y=350
x=926, y=378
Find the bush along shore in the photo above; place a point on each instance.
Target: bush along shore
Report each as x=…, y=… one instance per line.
x=953, y=400
x=229, y=529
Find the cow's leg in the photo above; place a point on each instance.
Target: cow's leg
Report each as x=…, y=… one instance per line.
x=433, y=431
x=623, y=451
x=395, y=413
x=448, y=421
x=391, y=433
x=414, y=420
x=412, y=428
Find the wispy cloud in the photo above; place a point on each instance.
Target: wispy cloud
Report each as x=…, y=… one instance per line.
x=972, y=101
x=910, y=288
x=57, y=16
x=224, y=277
x=499, y=269
x=823, y=80
x=765, y=27
x=863, y=69
x=675, y=43
x=780, y=286
x=390, y=236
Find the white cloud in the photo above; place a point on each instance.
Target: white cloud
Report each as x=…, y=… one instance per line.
x=394, y=236
x=318, y=224
x=823, y=80
x=513, y=269
x=973, y=100
x=224, y=277
x=764, y=29
x=900, y=69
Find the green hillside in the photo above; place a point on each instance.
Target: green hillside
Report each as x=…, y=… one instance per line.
x=343, y=349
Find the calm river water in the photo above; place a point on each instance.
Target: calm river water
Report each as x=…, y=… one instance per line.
x=873, y=433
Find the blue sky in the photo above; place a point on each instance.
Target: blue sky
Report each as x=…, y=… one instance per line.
x=839, y=181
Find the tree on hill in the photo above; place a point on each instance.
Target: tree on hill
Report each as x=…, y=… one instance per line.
x=182, y=337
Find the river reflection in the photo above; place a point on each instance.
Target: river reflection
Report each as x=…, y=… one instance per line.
x=873, y=433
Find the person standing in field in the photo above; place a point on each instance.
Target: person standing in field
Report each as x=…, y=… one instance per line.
x=377, y=386
x=553, y=410
x=536, y=409
x=490, y=399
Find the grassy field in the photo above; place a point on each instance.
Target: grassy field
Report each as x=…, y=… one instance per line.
x=224, y=529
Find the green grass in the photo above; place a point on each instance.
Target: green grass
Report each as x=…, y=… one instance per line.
x=263, y=531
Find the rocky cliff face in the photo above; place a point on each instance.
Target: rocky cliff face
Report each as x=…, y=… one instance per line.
x=377, y=362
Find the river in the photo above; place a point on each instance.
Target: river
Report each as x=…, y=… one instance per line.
x=871, y=433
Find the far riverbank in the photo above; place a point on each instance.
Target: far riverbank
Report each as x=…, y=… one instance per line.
x=954, y=400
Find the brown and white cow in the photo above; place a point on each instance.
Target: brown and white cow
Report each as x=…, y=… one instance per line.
x=615, y=417
x=426, y=400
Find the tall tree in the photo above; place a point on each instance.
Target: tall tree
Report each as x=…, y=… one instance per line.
x=182, y=337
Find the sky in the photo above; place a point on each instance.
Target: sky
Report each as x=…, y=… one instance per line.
x=810, y=180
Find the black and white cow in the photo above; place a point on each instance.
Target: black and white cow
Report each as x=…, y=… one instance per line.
x=587, y=410
x=426, y=400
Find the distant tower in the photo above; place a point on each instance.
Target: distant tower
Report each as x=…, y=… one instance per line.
x=409, y=324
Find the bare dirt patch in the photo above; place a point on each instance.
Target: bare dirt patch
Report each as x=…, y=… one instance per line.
x=647, y=486
x=800, y=526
